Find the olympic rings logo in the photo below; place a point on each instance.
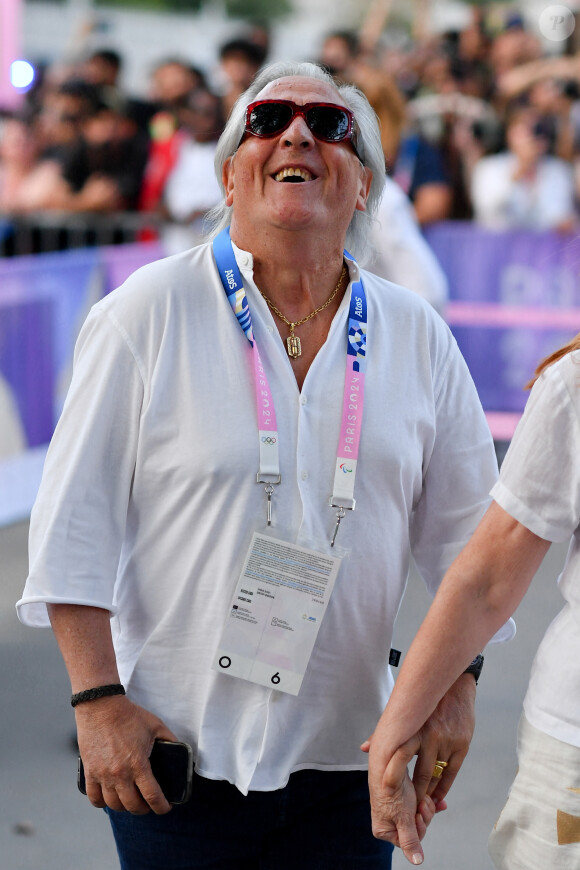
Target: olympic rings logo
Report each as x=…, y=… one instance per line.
x=268, y=439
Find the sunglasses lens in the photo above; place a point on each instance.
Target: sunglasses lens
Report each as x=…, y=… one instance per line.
x=267, y=119
x=328, y=123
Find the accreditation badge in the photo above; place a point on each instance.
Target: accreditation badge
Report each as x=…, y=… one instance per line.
x=275, y=614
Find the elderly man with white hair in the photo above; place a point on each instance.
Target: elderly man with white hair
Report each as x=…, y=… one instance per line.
x=258, y=437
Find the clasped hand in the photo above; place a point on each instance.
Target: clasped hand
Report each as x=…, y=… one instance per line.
x=402, y=808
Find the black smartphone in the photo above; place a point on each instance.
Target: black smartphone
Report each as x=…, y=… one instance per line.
x=172, y=766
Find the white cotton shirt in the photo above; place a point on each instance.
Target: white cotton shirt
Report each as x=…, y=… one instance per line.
x=148, y=502
x=539, y=486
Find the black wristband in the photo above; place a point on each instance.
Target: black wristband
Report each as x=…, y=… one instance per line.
x=98, y=692
x=475, y=668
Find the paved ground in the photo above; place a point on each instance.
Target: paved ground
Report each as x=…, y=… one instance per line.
x=46, y=825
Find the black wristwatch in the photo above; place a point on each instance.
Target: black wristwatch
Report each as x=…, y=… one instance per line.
x=475, y=668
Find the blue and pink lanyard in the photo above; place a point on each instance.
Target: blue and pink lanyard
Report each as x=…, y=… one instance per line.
x=353, y=397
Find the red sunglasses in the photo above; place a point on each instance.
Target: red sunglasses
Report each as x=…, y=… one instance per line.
x=326, y=121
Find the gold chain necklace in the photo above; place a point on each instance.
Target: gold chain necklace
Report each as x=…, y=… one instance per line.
x=293, y=343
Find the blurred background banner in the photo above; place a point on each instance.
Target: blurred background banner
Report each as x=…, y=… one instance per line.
x=10, y=17
x=44, y=300
x=119, y=108
x=514, y=298
x=27, y=362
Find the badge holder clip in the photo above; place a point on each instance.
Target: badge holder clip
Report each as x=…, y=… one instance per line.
x=340, y=515
x=269, y=481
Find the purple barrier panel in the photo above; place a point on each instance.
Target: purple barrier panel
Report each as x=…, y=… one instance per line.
x=69, y=278
x=502, y=361
x=120, y=261
x=503, y=344
x=27, y=363
x=67, y=283
x=512, y=268
x=515, y=298
x=44, y=300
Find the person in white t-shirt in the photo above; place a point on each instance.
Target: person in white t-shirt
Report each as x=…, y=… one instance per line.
x=524, y=187
x=191, y=188
x=535, y=502
x=250, y=353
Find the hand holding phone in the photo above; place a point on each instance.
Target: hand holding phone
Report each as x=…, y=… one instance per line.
x=172, y=766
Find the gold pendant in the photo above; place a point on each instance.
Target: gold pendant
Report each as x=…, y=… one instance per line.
x=294, y=346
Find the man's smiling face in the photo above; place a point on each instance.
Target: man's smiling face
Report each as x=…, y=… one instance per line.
x=292, y=180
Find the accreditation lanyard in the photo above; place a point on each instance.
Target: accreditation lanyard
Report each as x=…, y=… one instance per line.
x=353, y=397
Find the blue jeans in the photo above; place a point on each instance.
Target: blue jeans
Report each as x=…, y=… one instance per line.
x=319, y=821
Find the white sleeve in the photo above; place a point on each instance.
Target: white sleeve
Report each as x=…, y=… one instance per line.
x=78, y=520
x=539, y=483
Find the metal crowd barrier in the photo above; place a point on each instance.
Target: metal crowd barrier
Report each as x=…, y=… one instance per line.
x=44, y=232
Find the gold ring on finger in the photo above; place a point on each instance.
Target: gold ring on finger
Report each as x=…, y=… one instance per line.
x=438, y=769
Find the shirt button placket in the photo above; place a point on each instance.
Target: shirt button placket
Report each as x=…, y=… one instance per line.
x=303, y=472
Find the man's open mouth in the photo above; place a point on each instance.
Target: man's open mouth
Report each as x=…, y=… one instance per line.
x=293, y=175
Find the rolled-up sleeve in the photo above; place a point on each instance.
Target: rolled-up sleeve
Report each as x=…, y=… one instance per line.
x=539, y=482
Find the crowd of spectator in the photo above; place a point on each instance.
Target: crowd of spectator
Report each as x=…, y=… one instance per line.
x=477, y=124
x=82, y=144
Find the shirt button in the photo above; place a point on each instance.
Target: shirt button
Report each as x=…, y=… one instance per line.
x=245, y=260
x=303, y=400
x=304, y=475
